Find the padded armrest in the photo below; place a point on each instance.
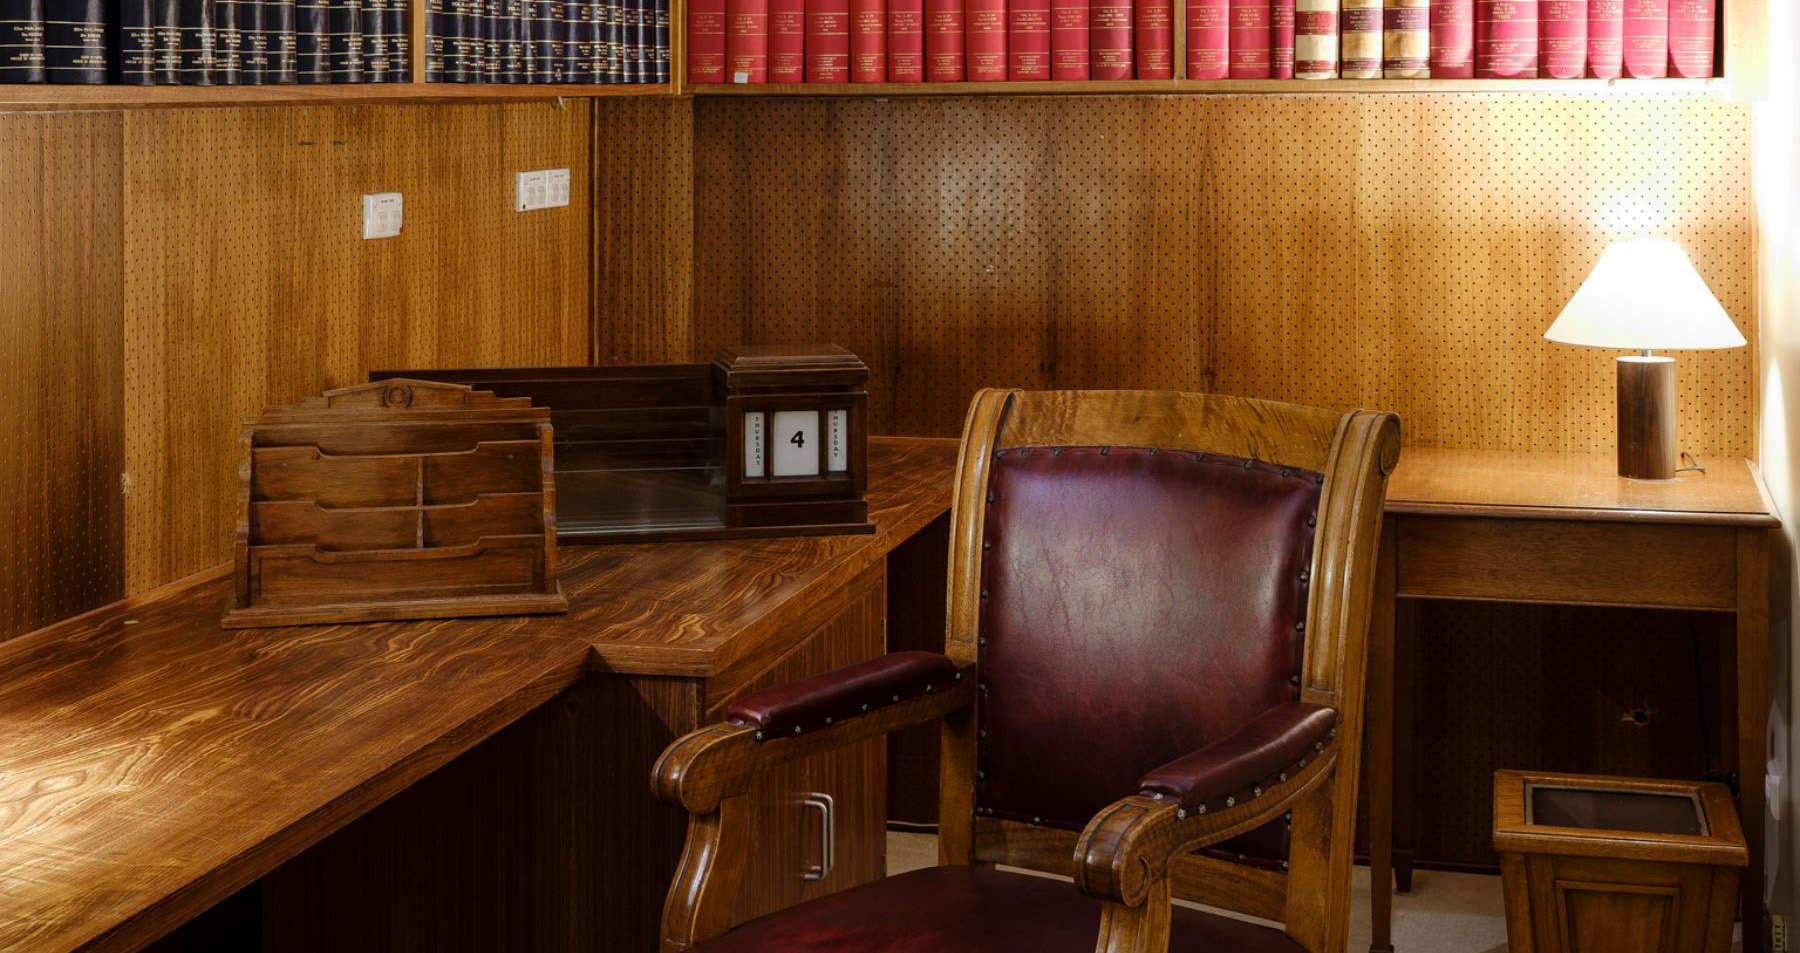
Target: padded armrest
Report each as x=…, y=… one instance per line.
x=1275, y=742
x=843, y=693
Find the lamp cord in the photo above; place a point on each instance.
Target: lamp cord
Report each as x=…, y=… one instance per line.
x=1693, y=464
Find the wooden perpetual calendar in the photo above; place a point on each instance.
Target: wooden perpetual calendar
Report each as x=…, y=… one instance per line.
x=767, y=440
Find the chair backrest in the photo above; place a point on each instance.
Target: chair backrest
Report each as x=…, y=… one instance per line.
x=1136, y=575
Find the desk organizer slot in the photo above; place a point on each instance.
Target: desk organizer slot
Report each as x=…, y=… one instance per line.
x=403, y=499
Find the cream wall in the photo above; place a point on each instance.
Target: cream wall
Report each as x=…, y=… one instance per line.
x=1776, y=130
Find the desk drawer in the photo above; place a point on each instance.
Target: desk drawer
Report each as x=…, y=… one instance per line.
x=1579, y=563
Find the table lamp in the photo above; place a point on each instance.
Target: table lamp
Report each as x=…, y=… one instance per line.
x=1645, y=295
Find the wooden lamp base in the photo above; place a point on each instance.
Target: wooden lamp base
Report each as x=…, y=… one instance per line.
x=1647, y=417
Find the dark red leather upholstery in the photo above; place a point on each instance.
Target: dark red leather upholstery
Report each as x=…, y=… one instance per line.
x=1138, y=605
x=811, y=703
x=1276, y=741
x=971, y=910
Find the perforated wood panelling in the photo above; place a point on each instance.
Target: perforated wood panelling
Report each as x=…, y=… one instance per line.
x=61, y=514
x=247, y=281
x=1402, y=252
x=643, y=229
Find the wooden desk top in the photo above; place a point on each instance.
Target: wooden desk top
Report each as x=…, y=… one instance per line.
x=1572, y=486
x=151, y=762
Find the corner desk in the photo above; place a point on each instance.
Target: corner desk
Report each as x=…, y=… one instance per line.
x=454, y=784
x=1564, y=529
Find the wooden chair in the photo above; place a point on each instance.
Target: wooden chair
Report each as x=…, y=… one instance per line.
x=1158, y=605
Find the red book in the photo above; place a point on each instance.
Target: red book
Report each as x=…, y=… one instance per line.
x=1452, y=39
x=1562, y=38
x=1069, y=39
x=1155, y=39
x=868, y=41
x=906, y=41
x=1647, y=39
x=1249, y=39
x=1691, y=38
x=1028, y=40
x=944, y=60
x=1606, y=38
x=1109, y=33
x=987, y=40
x=1208, y=39
x=706, y=41
x=787, y=41
x=1281, y=39
x=828, y=41
x=1506, y=39
x=746, y=41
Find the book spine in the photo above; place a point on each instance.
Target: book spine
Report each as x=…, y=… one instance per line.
x=1315, y=39
x=1606, y=39
x=1359, y=41
x=133, y=37
x=601, y=30
x=1154, y=38
x=1406, y=39
x=1691, y=38
x=507, y=41
x=487, y=58
x=1069, y=40
x=1562, y=38
x=906, y=41
x=74, y=42
x=167, y=65
x=252, y=22
x=1028, y=40
x=1506, y=39
x=945, y=61
x=868, y=41
x=278, y=22
x=399, y=40
x=987, y=40
x=747, y=41
x=346, y=41
x=228, y=35
x=787, y=41
x=374, y=41
x=1453, y=39
x=827, y=41
x=659, y=43
x=1647, y=39
x=1209, y=37
x=706, y=41
x=1109, y=39
x=529, y=65
x=199, y=45
x=21, y=41
x=312, y=41
x=632, y=46
x=1281, y=39
x=1250, y=39
x=438, y=18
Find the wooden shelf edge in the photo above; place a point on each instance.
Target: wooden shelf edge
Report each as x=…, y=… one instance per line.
x=39, y=97
x=1221, y=87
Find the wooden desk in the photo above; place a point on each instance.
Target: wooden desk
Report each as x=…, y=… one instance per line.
x=1564, y=529
x=487, y=780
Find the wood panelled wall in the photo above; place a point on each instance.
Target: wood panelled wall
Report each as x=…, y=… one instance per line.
x=1395, y=251
x=179, y=269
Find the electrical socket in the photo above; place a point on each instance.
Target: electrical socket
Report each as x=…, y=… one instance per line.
x=1778, y=934
x=382, y=215
x=543, y=188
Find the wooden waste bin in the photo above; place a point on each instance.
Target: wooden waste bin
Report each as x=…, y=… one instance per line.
x=1616, y=865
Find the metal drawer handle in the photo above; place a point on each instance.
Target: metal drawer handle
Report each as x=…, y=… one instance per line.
x=827, y=834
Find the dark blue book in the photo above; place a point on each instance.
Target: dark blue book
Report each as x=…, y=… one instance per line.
x=577, y=28
x=506, y=40
x=167, y=65
x=660, y=47
x=228, y=35
x=438, y=18
x=133, y=25
x=399, y=41
x=544, y=21
x=312, y=41
x=278, y=20
x=253, y=70
x=374, y=41
x=462, y=50
x=199, y=43
x=75, y=42
x=344, y=40
x=21, y=41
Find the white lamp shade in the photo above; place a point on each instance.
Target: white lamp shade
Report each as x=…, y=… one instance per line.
x=1645, y=294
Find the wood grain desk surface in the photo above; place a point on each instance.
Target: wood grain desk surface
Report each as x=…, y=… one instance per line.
x=1581, y=486
x=152, y=763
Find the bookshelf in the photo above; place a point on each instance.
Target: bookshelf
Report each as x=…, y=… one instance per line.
x=35, y=97
x=1283, y=87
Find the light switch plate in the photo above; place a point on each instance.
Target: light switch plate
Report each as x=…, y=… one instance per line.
x=531, y=189
x=558, y=193
x=382, y=215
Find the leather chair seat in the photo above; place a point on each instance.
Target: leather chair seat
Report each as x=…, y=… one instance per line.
x=971, y=910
